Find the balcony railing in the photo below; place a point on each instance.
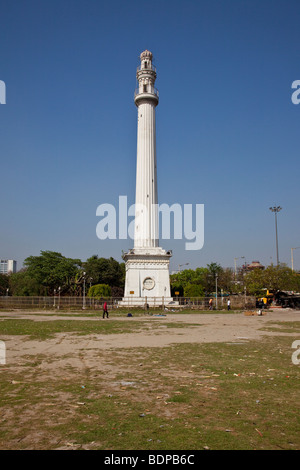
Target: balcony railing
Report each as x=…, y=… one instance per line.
x=149, y=67
x=154, y=92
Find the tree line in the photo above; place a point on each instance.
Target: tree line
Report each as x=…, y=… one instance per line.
x=51, y=273
x=204, y=281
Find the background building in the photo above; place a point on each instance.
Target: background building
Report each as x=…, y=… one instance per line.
x=255, y=265
x=8, y=266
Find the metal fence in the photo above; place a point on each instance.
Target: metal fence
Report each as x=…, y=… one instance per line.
x=56, y=302
x=88, y=303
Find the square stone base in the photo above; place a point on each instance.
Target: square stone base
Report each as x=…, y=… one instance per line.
x=147, y=278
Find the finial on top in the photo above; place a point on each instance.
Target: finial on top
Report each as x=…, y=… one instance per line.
x=146, y=55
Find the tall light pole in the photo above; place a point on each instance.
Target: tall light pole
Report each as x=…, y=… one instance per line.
x=216, y=292
x=292, y=256
x=276, y=209
x=239, y=257
x=83, y=300
x=58, y=298
x=185, y=264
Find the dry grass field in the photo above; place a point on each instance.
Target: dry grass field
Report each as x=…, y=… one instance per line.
x=184, y=381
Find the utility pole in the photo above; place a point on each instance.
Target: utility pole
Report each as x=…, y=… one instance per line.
x=292, y=256
x=179, y=266
x=83, y=299
x=276, y=209
x=216, y=292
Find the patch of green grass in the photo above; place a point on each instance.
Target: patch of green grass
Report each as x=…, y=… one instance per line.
x=43, y=330
x=184, y=396
x=282, y=327
x=46, y=329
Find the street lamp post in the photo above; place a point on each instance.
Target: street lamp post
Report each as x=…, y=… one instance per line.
x=276, y=209
x=239, y=257
x=83, y=300
x=185, y=264
x=90, y=287
x=216, y=292
x=292, y=256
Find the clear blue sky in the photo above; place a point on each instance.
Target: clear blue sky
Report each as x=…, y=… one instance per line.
x=227, y=130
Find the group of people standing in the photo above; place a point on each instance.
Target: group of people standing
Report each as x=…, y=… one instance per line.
x=210, y=303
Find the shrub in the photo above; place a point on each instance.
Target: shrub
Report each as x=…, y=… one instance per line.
x=99, y=290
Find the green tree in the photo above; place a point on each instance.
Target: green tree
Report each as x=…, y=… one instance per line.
x=23, y=284
x=201, y=281
x=177, y=287
x=278, y=278
x=99, y=290
x=105, y=271
x=193, y=290
x=254, y=282
x=226, y=280
x=213, y=270
x=183, y=281
x=4, y=284
x=273, y=278
x=296, y=282
x=52, y=270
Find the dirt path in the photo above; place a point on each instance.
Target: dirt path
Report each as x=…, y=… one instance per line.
x=161, y=331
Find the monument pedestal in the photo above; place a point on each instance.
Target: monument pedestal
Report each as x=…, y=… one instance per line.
x=147, y=278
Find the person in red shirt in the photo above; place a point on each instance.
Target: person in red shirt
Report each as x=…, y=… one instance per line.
x=105, y=311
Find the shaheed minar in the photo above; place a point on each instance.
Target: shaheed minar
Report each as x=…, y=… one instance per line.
x=147, y=265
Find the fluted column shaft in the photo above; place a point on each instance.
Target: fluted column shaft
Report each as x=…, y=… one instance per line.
x=146, y=214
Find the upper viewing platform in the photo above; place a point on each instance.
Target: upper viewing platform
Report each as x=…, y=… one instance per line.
x=146, y=66
x=144, y=94
x=146, y=76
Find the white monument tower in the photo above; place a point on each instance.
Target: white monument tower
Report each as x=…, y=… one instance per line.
x=147, y=265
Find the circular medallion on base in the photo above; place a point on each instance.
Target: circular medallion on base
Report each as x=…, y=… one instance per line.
x=148, y=283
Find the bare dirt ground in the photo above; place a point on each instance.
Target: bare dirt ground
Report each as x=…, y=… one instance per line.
x=200, y=328
x=112, y=362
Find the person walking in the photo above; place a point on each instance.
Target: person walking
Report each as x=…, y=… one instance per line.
x=105, y=311
x=228, y=304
